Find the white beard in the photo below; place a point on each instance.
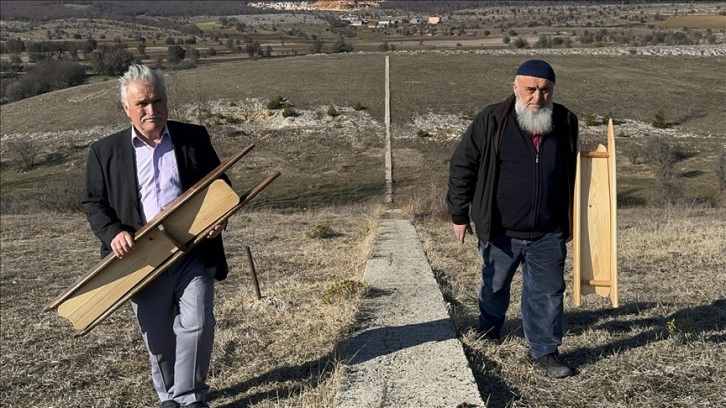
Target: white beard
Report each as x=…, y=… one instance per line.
x=539, y=122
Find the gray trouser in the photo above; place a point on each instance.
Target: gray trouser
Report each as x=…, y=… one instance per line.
x=177, y=322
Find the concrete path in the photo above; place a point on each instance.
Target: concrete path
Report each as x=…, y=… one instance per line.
x=404, y=352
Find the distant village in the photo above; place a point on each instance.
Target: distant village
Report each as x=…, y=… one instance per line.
x=346, y=6
x=356, y=22
x=339, y=5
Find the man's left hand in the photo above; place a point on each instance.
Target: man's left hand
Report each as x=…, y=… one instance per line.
x=217, y=229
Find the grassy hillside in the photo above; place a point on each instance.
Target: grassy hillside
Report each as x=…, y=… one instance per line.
x=424, y=86
x=636, y=87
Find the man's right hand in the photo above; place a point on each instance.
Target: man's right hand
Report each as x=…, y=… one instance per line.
x=121, y=244
x=461, y=230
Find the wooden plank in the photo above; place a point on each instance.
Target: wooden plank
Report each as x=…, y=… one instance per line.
x=596, y=283
x=244, y=200
x=148, y=253
x=576, y=228
x=596, y=229
x=152, y=224
x=596, y=155
x=595, y=224
x=613, y=217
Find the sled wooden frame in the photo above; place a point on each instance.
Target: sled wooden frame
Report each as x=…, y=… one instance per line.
x=595, y=260
x=158, y=244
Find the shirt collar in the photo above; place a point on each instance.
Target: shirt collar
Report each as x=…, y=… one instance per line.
x=136, y=141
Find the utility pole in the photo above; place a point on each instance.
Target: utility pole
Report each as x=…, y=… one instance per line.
x=389, y=157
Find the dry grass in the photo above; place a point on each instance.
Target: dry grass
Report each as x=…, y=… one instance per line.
x=664, y=345
x=694, y=21
x=277, y=350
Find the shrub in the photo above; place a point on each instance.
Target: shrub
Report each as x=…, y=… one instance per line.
x=607, y=118
x=332, y=112
x=275, y=103
x=520, y=42
x=341, y=46
x=321, y=230
x=469, y=114
x=422, y=133
x=590, y=119
x=47, y=75
x=634, y=152
x=663, y=158
x=288, y=111
x=659, y=120
x=358, y=106
x=316, y=47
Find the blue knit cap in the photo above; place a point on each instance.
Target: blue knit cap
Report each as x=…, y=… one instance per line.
x=537, y=68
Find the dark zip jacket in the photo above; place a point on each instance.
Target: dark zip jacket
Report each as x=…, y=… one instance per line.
x=476, y=191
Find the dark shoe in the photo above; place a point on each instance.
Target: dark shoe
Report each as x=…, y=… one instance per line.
x=553, y=366
x=490, y=335
x=169, y=404
x=197, y=404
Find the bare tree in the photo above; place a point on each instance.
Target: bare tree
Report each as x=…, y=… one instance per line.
x=720, y=169
x=26, y=151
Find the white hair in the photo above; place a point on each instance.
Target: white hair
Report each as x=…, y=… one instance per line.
x=138, y=72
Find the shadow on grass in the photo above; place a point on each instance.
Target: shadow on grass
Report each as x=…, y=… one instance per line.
x=492, y=387
x=691, y=173
x=280, y=384
x=285, y=382
x=686, y=323
x=630, y=198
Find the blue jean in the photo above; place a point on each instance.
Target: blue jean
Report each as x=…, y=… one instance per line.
x=543, y=287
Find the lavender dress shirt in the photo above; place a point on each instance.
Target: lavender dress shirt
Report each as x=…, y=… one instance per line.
x=157, y=173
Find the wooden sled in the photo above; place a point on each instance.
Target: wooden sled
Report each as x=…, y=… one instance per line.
x=177, y=229
x=595, y=261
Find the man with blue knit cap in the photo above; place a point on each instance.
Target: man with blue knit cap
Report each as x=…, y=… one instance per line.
x=513, y=175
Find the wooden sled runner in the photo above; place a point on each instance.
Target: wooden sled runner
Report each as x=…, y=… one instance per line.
x=158, y=244
x=595, y=261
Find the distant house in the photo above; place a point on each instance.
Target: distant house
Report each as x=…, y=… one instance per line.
x=384, y=23
x=356, y=23
x=433, y=20
x=373, y=24
x=415, y=21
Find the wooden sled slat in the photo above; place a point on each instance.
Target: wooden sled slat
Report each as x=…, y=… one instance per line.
x=244, y=200
x=119, y=277
x=595, y=224
x=152, y=224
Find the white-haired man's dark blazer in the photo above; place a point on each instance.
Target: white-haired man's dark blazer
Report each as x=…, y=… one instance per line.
x=111, y=198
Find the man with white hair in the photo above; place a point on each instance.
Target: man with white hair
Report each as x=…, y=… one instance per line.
x=513, y=175
x=130, y=177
